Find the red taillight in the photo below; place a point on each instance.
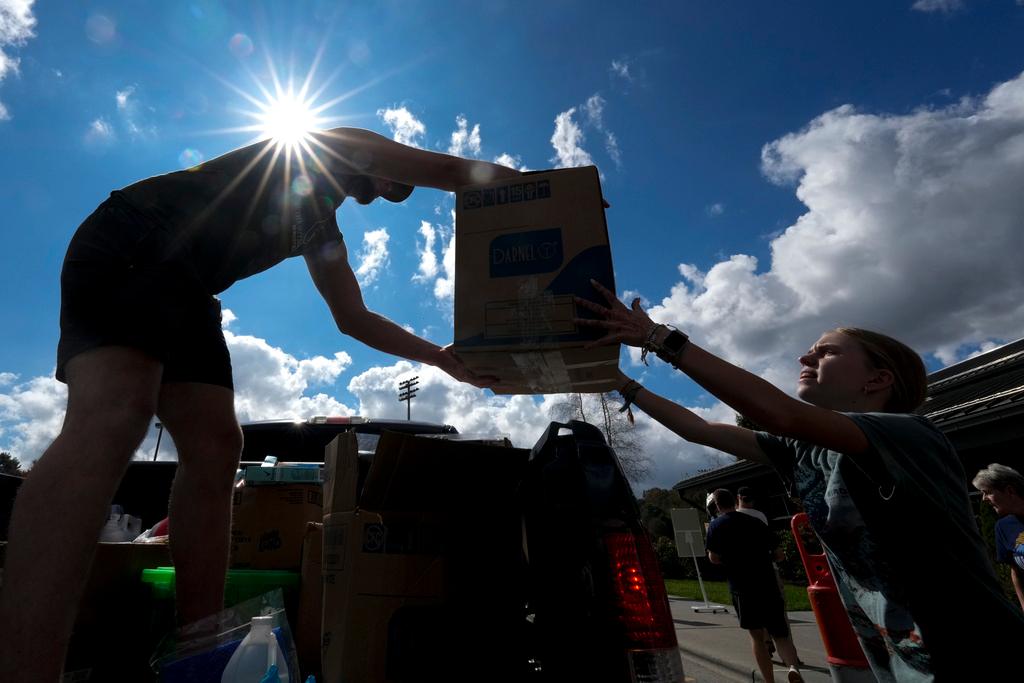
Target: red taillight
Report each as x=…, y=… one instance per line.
x=642, y=602
x=640, y=591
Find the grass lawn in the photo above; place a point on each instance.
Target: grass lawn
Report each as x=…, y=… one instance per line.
x=718, y=592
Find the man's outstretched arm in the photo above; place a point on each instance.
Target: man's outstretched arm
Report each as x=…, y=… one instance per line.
x=337, y=284
x=367, y=152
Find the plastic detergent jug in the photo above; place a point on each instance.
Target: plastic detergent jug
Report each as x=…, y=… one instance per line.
x=257, y=652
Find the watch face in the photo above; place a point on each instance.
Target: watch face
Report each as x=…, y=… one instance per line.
x=674, y=341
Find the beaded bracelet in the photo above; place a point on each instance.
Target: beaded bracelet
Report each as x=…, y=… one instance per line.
x=628, y=393
x=649, y=344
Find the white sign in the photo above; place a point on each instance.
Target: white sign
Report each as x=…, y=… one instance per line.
x=689, y=532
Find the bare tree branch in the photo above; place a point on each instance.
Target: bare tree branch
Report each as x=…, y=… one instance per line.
x=617, y=430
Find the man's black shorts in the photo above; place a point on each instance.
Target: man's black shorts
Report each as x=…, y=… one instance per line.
x=124, y=284
x=762, y=610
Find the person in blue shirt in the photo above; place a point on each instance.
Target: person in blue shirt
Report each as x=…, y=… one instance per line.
x=744, y=547
x=1002, y=487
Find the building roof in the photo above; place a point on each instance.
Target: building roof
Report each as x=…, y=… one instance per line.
x=988, y=387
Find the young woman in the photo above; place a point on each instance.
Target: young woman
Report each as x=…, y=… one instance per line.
x=884, y=489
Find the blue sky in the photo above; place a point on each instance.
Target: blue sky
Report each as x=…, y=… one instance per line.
x=774, y=170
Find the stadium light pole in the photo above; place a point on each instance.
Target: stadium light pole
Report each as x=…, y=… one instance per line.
x=406, y=391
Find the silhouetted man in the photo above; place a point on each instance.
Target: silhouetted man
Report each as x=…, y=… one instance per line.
x=141, y=336
x=744, y=547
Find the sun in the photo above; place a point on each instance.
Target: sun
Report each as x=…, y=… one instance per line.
x=287, y=119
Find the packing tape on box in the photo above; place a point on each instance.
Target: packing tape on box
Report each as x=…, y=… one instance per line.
x=548, y=367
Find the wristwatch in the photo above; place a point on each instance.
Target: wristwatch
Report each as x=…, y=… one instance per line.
x=675, y=341
x=673, y=344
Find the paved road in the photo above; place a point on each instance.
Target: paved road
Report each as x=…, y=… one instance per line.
x=716, y=650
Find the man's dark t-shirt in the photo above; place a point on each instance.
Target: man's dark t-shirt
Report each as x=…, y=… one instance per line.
x=243, y=212
x=745, y=545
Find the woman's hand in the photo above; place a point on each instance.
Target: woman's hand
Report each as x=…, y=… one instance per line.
x=629, y=326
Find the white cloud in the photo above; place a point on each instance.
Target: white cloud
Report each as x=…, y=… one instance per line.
x=132, y=114
x=522, y=418
x=464, y=140
x=99, y=132
x=938, y=5
x=512, y=161
x=122, y=97
x=16, y=22
x=620, y=68
x=594, y=108
x=269, y=383
x=7, y=65
x=912, y=227
x=567, y=140
x=438, y=237
x=405, y=127
x=425, y=249
x=373, y=256
x=16, y=27
x=611, y=145
x=444, y=287
x=31, y=414
x=716, y=209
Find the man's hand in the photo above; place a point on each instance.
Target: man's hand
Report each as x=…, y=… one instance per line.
x=629, y=326
x=450, y=362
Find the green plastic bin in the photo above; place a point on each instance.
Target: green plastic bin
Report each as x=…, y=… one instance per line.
x=241, y=584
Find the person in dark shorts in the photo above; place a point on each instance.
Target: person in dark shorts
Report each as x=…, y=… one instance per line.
x=141, y=336
x=744, y=546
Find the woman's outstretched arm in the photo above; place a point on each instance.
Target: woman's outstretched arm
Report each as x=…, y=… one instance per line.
x=718, y=435
x=743, y=391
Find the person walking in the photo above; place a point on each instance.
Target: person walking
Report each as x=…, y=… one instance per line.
x=884, y=489
x=1002, y=487
x=744, y=547
x=141, y=336
x=746, y=503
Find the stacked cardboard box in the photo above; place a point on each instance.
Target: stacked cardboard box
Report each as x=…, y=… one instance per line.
x=524, y=249
x=310, y=612
x=414, y=547
x=268, y=524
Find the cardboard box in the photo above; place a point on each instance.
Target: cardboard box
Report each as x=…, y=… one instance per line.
x=375, y=565
x=341, y=473
x=116, y=628
x=409, y=570
x=308, y=622
x=269, y=522
x=524, y=249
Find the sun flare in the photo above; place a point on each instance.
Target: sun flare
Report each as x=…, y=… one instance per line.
x=287, y=119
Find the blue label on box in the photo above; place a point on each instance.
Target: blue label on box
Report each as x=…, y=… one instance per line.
x=526, y=253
